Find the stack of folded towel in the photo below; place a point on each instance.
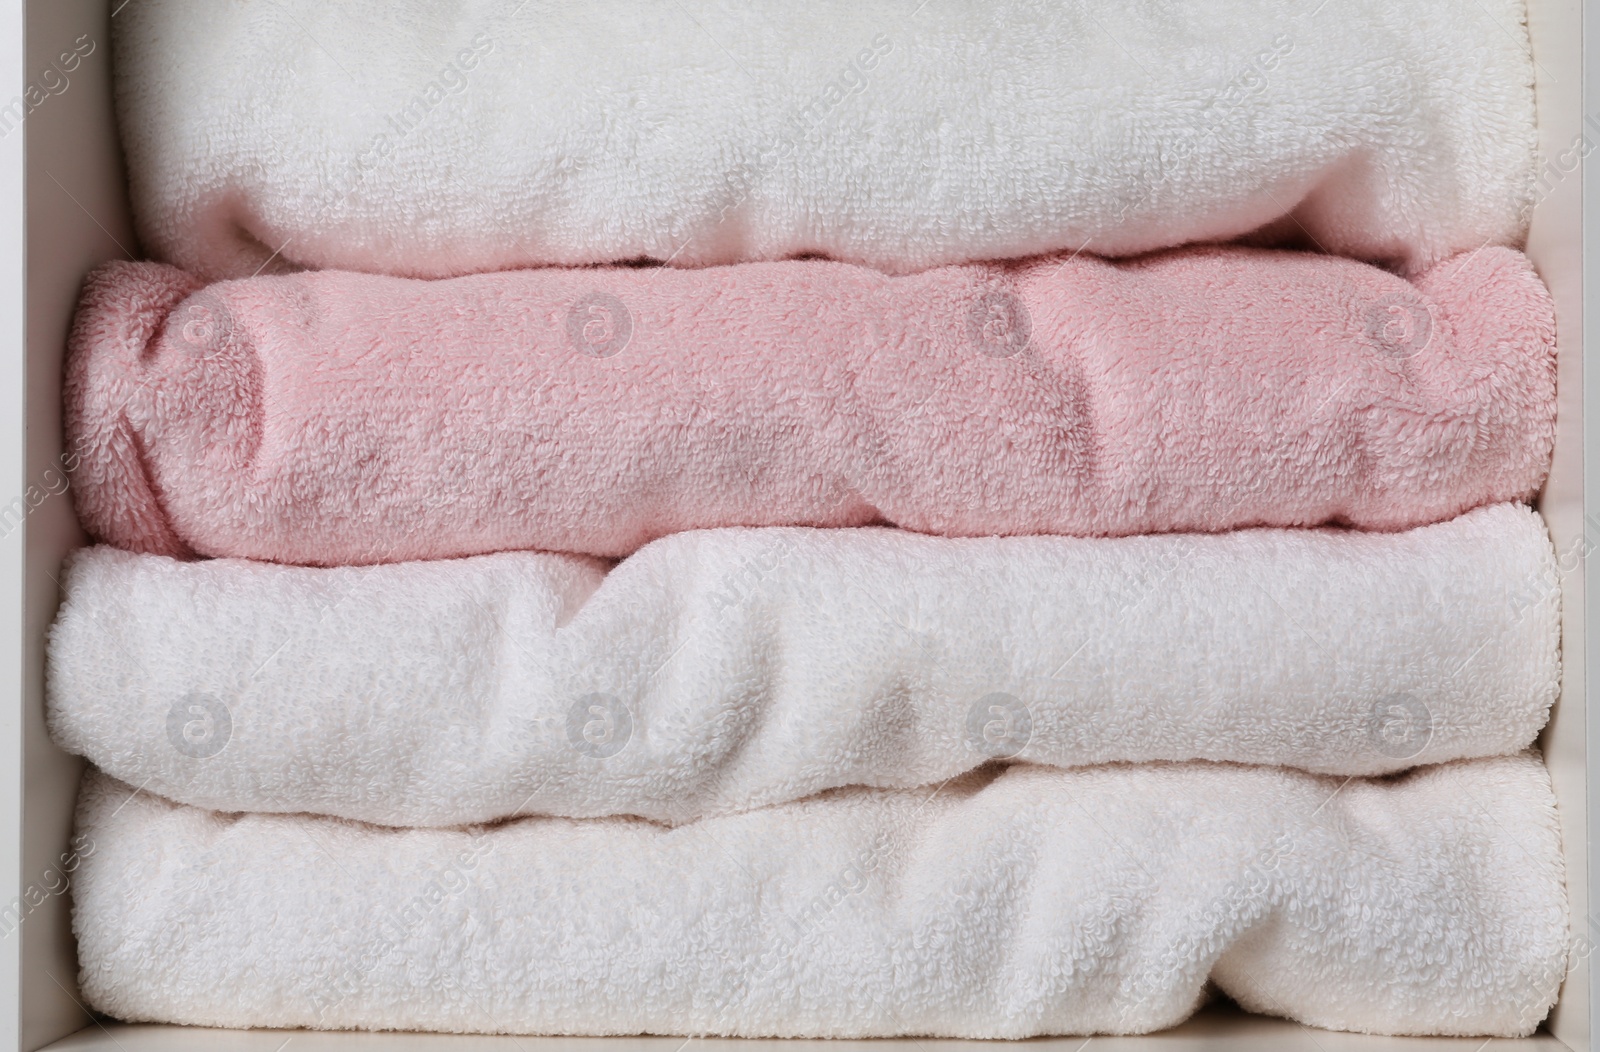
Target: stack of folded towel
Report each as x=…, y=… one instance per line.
x=980, y=631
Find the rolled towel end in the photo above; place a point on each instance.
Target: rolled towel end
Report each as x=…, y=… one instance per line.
x=1499, y=299
x=1505, y=314
x=1473, y=418
x=125, y=307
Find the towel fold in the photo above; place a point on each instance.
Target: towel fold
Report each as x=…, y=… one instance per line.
x=1002, y=905
x=335, y=418
x=431, y=139
x=723, y=670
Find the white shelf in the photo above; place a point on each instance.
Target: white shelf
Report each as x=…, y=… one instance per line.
x=1212, y=1030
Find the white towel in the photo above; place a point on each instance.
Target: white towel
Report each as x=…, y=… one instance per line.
x=429, y=139
x=1041, y=902
x=726, y=669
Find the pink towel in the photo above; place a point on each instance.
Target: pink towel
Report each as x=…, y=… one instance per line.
x=334, y=418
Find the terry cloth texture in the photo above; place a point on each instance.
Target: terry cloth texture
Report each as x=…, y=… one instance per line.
x=334, y=418
x=430, y=140
x=723, y=670
x=1004, y=905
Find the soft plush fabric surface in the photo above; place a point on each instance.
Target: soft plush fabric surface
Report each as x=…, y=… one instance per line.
x=723, y=670
x=336, y=418
x=1031, y=901
x=429, y=139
